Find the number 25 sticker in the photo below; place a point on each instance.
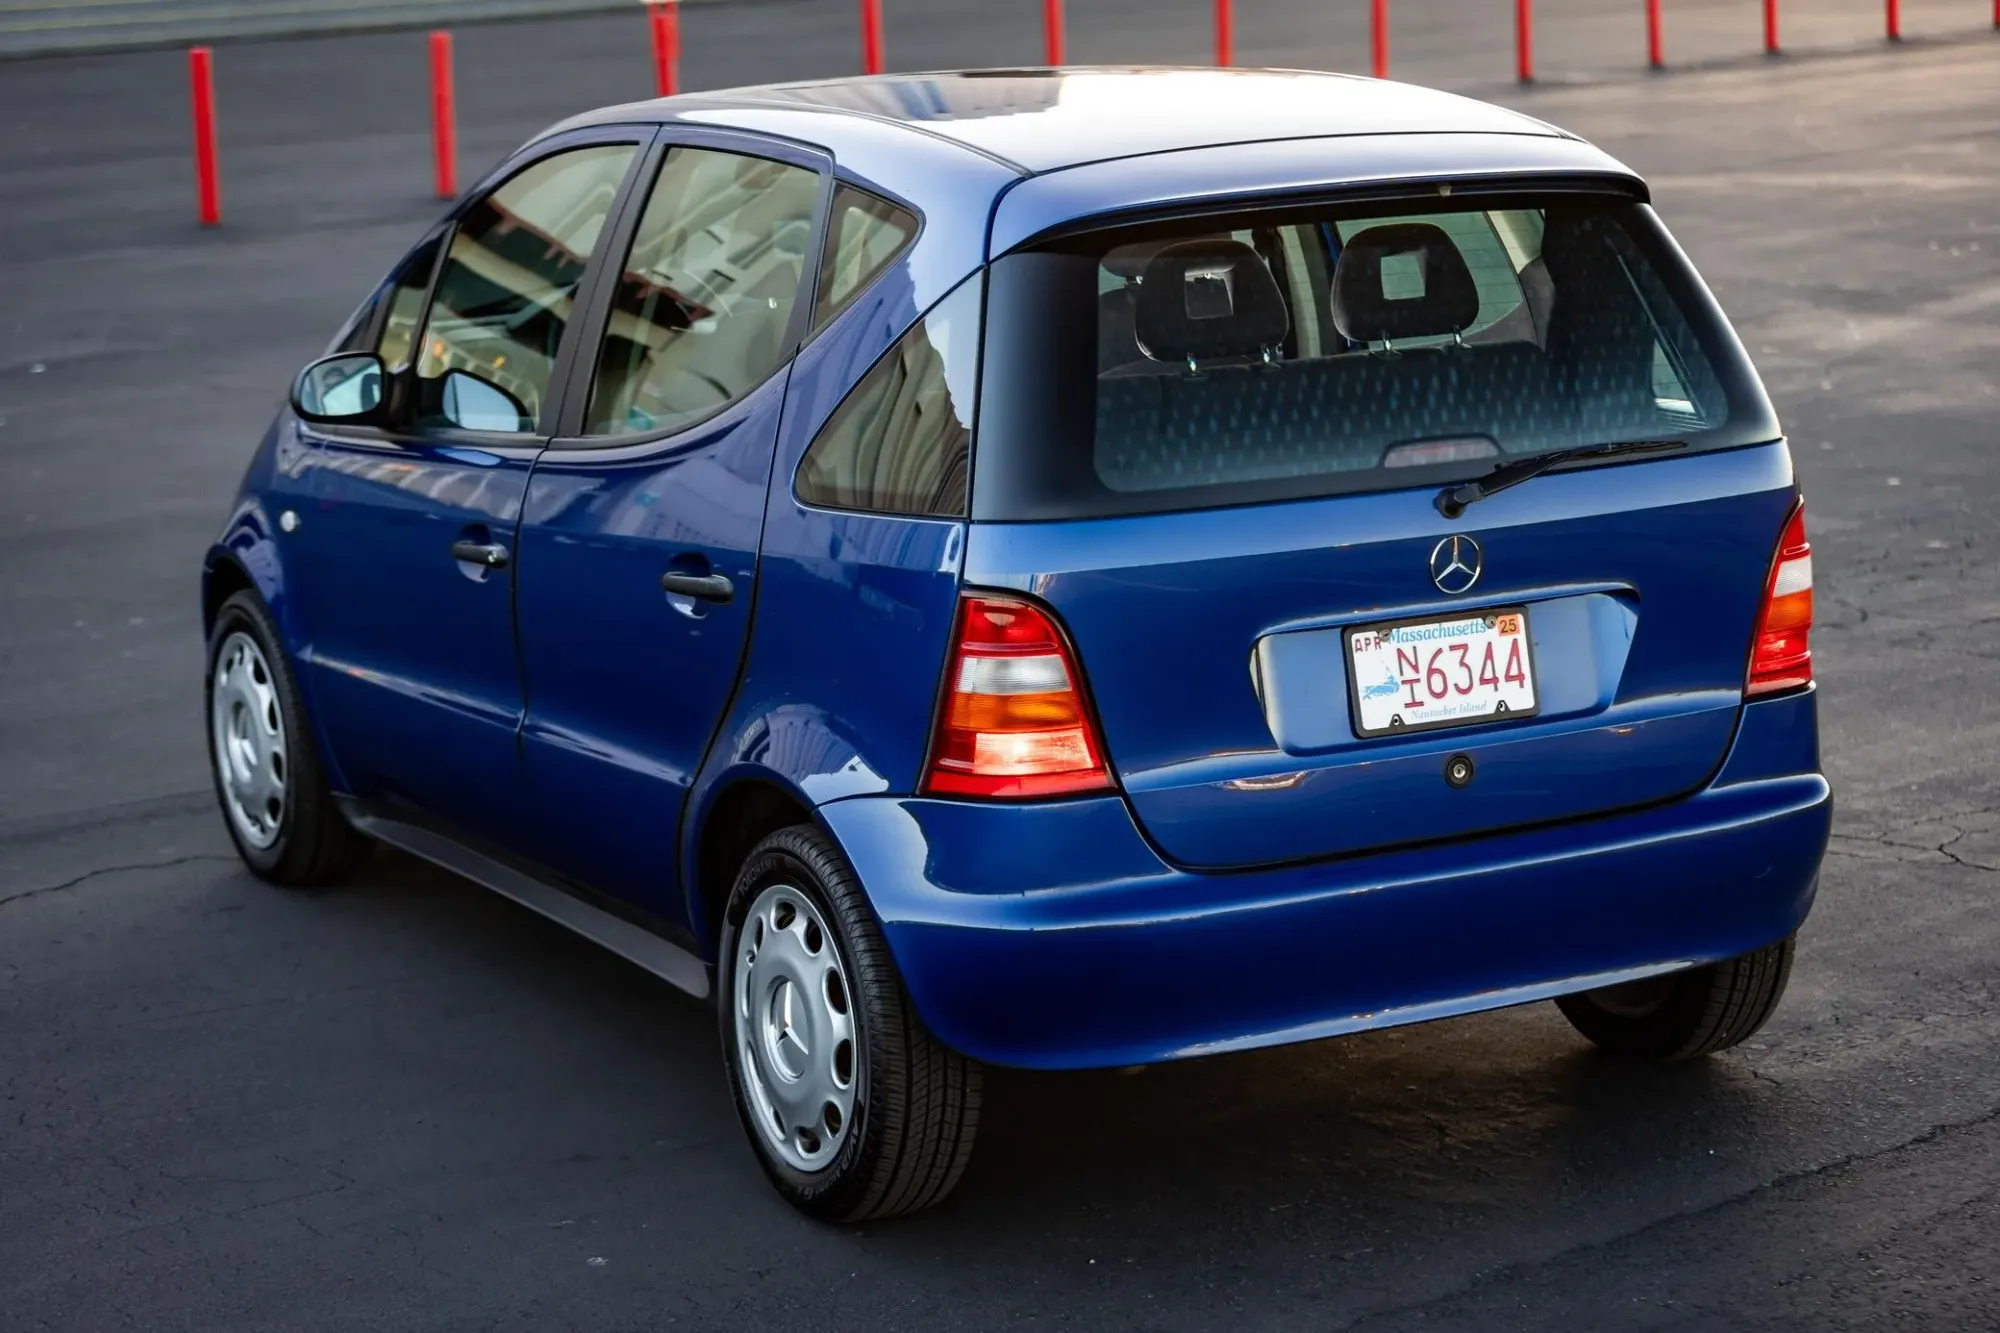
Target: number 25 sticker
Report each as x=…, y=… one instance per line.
x=1509, y=625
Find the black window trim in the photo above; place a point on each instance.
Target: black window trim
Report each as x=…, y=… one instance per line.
x=512, y=444
x=608, y=267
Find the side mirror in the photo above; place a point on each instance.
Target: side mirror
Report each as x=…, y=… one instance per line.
x=345, y=388
x=471, y=403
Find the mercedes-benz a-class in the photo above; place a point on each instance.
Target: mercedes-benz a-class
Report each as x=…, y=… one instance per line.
x=1054, y=569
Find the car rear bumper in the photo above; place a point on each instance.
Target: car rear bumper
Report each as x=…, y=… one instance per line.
x=1053, y=936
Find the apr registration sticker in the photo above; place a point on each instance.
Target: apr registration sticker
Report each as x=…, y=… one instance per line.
x=1441, y=673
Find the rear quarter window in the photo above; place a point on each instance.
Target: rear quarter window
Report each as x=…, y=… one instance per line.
x=901, y=441
x=1311, y=351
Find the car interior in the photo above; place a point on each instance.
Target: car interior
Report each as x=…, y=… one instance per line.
x=1382, y=342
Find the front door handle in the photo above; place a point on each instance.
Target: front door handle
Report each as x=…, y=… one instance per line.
x=708, y=587
x=487, y=555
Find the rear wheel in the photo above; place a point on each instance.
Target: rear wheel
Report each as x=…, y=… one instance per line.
x=1685, y=1014
x=274, y=796
x=855, y=1110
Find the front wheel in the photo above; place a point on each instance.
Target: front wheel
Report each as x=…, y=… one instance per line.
x=855, y=1110
x=1683, y=1015
x=268, y=780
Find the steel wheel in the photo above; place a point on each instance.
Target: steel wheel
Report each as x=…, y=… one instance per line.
x=798, y=1051
x=855, y=1110
x=249, y=733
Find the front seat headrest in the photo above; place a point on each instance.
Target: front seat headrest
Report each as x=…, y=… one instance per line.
x=1212, y=298
x=1402, y=280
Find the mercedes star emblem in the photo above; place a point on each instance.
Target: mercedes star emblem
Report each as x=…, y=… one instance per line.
x=1456, y=563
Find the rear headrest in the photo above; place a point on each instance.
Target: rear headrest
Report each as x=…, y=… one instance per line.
x=1402, y=280
x=1129, y=261
x=1207, y=299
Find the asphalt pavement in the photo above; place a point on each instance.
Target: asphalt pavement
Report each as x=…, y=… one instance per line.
x=402, y=1103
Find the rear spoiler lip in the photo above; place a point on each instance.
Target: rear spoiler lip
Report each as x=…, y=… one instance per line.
x=1460, y=187
x=1350, y=168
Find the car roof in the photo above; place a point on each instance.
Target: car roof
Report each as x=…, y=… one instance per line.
x=993, y=159
x=1042, y=120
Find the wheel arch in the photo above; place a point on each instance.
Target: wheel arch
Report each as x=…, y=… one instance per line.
x=774, y=762
x=222, y=577
x=246, y=556
x=739, y=812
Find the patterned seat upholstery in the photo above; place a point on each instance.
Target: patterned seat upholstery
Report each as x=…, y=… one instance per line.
x=1604, y=345
x=1333, y=414
x=1575, y=368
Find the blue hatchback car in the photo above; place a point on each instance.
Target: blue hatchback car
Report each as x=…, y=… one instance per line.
x=1054, y=569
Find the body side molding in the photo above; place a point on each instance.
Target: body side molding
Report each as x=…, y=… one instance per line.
x=662, y=957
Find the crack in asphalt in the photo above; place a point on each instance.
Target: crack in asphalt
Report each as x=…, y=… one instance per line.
x=167, y=805
x=89, y=875
x=1944, y=850
x=1925, y=850
x=1508, y=1272
x=1927, y=856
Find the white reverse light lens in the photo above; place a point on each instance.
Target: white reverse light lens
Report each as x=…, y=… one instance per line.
x=1041, y=674
x=1793, y=576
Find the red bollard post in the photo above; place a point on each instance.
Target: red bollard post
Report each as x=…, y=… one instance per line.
x=871, y=36
x=1892, y=19
x=1656, y=56
x=666, y=24
x=1378, y=37
x=1225, y=33
x=444, y=117
x=1770, y=27
x=1052, y=32
x=1524, y=40
x=207, y=177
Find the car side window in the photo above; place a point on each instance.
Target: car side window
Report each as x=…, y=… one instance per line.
x=406, y=308
x=705, y=298
x=403, y=289
x=505, y=294
x=901, y=441
x=863, y=235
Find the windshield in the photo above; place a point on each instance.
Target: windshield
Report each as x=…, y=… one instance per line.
x=1274, y=355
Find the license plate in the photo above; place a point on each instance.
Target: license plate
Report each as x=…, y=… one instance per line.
x=1416, y=674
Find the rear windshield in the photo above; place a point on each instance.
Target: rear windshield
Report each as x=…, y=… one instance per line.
x=1275, y=355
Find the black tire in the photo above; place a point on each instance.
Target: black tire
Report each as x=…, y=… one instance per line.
x=314, y=843
x=1684, y=1015
x=916, y=1108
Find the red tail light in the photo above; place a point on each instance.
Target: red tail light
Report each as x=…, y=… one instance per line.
x=1781, y=655
x=1013, y=721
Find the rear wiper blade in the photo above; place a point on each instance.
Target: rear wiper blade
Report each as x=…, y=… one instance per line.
x=1452, y=500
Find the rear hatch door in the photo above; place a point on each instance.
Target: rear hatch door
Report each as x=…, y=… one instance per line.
x=1224, y=682
x=1214, y=447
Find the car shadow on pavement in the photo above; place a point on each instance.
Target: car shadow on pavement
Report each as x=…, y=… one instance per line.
x=1501, y=1119
x=1493, y=1105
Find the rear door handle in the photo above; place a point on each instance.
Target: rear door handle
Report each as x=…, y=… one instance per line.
x=708, y=587
x=490, y=555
